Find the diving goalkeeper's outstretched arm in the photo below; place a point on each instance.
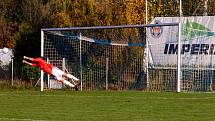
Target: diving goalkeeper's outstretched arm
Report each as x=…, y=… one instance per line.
x=32, y=64
x=29, y=58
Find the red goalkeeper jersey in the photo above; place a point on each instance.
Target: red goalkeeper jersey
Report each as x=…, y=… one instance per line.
x=46, y=67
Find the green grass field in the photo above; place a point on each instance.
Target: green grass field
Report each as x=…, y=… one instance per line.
x=61, y=105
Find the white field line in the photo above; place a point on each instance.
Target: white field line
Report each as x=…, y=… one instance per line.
x=20, y=119
x=108, y=96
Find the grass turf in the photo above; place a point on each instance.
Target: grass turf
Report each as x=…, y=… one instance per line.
x=29, y=105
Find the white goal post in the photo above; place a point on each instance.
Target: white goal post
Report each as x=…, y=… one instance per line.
x=114, y=57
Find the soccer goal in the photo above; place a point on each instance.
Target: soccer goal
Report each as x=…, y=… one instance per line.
x=115, y=57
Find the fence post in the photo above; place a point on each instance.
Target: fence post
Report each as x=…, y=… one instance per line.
x=63, y=68
x=106, y=74
x=80, y=54
x=12, y=71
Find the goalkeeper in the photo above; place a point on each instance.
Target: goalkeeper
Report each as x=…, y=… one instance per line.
x=51, y=69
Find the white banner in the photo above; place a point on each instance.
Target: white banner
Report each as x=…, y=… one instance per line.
x=197, y=41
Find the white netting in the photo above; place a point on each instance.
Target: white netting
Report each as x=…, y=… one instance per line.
x=101, y=59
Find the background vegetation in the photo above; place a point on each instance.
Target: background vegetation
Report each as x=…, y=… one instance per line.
x=22, y=20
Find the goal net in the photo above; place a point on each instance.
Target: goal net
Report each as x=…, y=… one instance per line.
x=113, y=57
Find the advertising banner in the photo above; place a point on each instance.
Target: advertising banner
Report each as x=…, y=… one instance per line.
x=197, y=41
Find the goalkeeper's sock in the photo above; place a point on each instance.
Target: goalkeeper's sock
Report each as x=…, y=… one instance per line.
x=72, y=77
x=68, y=83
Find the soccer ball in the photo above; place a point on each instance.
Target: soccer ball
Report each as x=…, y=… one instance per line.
x=5, y=50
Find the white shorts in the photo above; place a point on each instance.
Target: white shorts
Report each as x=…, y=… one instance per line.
x=57, y=73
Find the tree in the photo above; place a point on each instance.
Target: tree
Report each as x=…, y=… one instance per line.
x=135, y=11
x=6, y=27
x=27, y=36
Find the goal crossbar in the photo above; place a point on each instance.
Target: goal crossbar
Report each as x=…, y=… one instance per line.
x=110, y=27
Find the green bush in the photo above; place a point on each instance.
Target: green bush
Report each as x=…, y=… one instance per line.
x=31, y=74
